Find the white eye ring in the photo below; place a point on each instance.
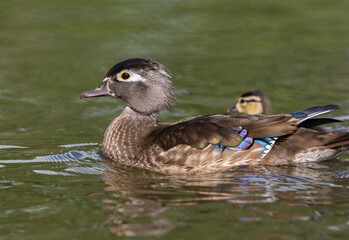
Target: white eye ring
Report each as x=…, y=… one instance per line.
x=129, y=76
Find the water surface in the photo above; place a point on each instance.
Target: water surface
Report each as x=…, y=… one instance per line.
x=54, y=185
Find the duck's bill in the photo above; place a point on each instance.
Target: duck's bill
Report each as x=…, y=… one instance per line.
x=232, y=109
x=101, y=90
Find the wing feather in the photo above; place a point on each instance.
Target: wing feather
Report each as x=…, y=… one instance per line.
x=221, y=129
x=194, y=133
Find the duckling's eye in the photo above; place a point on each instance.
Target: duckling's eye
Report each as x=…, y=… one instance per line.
x=125, y=75
x=242, y=101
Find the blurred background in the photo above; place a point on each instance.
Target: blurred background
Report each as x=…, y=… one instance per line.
x=297, y=52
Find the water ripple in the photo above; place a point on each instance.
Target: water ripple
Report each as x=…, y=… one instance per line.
x=78, y=145
x=85, y=170
x=10, y=146
x=57, y=158
x=72, y=158
x=49, y=172
x=341, y=173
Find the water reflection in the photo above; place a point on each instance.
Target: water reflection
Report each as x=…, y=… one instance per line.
x=139, y=193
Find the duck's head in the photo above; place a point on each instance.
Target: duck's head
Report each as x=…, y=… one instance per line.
x=143, y=84
x=251, y=102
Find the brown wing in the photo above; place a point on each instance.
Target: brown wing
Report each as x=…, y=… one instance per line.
x=217, y=129
x=197, y=134
x=258, y=126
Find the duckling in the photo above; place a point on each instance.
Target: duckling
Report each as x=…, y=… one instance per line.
x=251, y=102
x=206, y=143
x=256, y=102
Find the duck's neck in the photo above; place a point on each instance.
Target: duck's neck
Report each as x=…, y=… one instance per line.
x=135, y=116
x=125, y=135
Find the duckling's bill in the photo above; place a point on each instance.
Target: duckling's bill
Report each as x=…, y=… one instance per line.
x=232, y=109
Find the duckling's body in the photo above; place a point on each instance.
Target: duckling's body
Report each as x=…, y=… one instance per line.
x=203, y=144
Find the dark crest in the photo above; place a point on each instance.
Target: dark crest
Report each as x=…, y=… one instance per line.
x=137, y=63
x=253, y=93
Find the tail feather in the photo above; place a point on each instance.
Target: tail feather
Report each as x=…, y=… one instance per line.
x=313, y=111
x=310, y=123
x=340, y=142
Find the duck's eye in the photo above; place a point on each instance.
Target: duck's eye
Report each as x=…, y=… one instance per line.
x=242, y=101
x=125, y=75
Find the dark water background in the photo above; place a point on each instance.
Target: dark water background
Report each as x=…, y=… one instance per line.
x=53, y=184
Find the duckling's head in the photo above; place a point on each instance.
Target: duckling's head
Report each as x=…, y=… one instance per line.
x=251, y=102
x=143, y=84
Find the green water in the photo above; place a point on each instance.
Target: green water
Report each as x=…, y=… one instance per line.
x=53, y=184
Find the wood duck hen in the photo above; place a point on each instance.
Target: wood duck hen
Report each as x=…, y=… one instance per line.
x=207, y=143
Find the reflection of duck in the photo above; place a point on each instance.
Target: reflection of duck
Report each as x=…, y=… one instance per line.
x=133, y=198
x=251, y=102
x=132, y=183
x=202, y=144
x=144, y=203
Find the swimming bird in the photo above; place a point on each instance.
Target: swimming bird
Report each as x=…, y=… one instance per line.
x=252, y=102
x=206, y=143
x=256, y=102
